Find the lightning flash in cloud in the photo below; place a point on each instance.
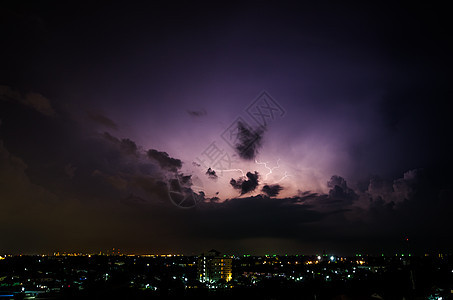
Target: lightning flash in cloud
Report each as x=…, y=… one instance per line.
x=268, y=168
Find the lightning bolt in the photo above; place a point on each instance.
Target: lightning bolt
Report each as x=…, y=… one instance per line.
x=284, y=176
x=268, y=168
x=234, y=170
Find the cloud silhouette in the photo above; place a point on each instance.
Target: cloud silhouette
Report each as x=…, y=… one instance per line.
x=246, y=185
x=164, y=160
x=31, y=99
x=101, y=119
x=212, y=174
x=249, y=141
x=272, y=190
x=339, y=190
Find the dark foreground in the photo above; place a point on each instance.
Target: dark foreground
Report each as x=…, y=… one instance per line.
x=254, y=277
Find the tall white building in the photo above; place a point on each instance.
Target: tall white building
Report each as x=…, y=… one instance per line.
x=212, y=267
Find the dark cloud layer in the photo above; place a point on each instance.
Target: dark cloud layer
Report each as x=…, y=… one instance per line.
x=30, y=99
x=370, y=103
x=249, y=141
x=257, y=216
x=272, y=190
x=117, y=181
x=339, y=190
x=101, y=119
x=164, y=160
x=212, y=174
x=126, y=145
x=246, y=185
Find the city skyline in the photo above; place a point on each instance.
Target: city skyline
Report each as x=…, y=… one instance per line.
x=212, y=274
x=250, y=127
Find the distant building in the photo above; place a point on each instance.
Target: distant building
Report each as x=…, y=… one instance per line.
x=212, y=267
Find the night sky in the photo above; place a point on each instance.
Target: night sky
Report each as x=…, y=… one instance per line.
x=248, y=127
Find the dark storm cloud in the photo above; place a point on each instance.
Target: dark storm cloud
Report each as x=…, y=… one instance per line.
x=214, y=199
x=30, y=99
x=382, y=225
x=339, y=190
x=181, y=183
x=308, y=195
x=101, y=119
x=414, y=208
x=186, y=180
x=152, y=188
x=127, y=146
x=211, y=174
x=249, y=141
x=98, y=178
x=164, y=160
x=74, y=162
x=246, y=185
x=197, y=113
x=257, y=216
x=182, y=193
x=105, y=167
x=272, y=190
x=379, y=186
x=396, y=191
x=134, y=183
x=129, y=170
x=405, y=186
x=382, y=94
x=236, y=184
x=133, y=200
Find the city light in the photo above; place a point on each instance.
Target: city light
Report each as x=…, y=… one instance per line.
x=209, y=270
